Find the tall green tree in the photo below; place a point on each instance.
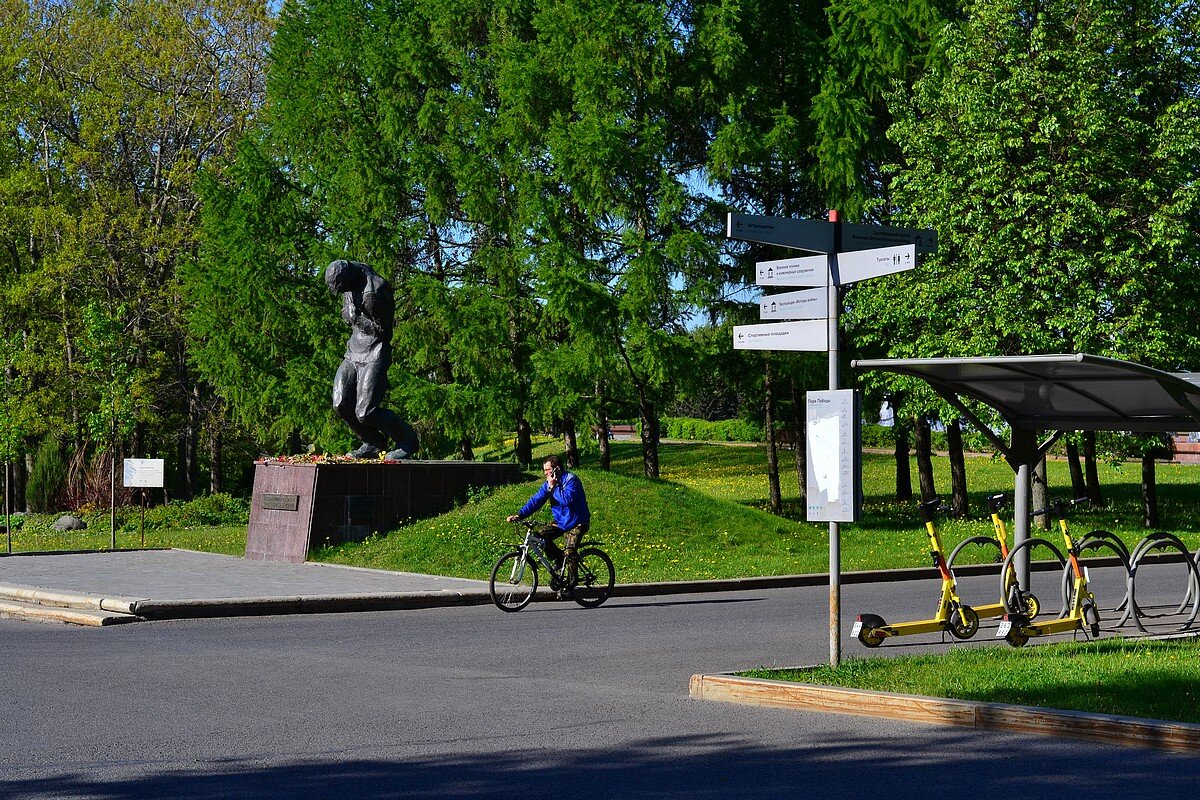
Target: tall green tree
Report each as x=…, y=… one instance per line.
x=109, y=110
x=1055, y=151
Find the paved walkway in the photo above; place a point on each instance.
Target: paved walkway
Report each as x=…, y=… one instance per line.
x=182, y=583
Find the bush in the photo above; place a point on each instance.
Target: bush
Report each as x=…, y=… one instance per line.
x=699, y=430
x=47, y=479
x=207, y=510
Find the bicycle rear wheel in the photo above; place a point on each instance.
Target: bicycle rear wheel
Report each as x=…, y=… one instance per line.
x=596, y=577
x=513, y=582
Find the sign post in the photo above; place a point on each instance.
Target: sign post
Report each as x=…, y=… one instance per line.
x=850, y=253
x=143, y=473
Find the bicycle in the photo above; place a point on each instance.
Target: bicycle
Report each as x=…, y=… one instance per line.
x=515, y=577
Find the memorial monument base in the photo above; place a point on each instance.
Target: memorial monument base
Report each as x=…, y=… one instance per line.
x=298, y=507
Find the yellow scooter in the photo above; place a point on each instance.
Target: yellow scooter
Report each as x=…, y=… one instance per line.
x=952, y=615
x=1012, y=595
x=1082, y=613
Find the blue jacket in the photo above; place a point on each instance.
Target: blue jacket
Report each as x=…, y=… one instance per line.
x=568, y=504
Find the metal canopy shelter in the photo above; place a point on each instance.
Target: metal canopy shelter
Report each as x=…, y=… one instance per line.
x=1054, y=394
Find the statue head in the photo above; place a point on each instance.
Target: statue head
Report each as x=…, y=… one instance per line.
x=344, y=276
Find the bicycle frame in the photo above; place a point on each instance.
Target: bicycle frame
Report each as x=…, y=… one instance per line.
x=532, y=547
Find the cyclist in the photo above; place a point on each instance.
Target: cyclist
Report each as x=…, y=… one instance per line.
x=568, y=507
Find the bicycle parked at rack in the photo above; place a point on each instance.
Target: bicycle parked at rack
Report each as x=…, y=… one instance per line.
x=515, y=576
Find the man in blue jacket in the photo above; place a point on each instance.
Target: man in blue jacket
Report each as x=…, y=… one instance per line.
x=568, y=507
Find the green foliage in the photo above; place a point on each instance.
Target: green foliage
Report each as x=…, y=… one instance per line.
x=48, y=477
x=728, y=430
x=108, y=112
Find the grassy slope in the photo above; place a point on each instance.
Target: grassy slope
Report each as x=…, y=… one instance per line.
x=704, y=518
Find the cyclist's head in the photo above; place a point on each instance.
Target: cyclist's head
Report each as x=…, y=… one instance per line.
x=552, y=466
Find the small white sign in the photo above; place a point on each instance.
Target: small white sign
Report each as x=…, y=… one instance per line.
x=863, y=264
x=834, y=476
x=810, y=335
x=144, y=472
x=806, y=271
x=806, y=304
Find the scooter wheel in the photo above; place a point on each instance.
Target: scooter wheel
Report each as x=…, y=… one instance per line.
x=964, y=622
x=1014, y=636
x=1091, y=618
x=869, y=634
x=1031, y=605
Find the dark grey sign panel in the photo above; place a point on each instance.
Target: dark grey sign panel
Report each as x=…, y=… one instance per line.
x=869, y=237
x=814, y=235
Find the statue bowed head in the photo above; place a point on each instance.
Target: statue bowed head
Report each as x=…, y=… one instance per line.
x=360, y=385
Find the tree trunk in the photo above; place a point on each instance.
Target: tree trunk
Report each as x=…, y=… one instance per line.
x=775, y=494
x=570, y=443
x=799, y=442
x=650, y=438
x=904, y=492
x=524, y=442
x=465, y=451
x=216, y=467
x=1041, y=494
x=924, y=446
x=1094, y=495
x=605, y=444
x=1149, y=493
x=1078, y=483
x=959, y=505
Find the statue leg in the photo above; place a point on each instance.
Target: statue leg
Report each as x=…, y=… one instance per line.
x=372, y=387
x=346, y=396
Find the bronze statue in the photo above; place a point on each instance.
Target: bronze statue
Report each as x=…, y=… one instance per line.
x=360, y=384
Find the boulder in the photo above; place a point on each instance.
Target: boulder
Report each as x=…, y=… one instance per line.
x=69, y=523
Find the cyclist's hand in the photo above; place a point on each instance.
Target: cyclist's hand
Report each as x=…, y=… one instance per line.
x=511, y=518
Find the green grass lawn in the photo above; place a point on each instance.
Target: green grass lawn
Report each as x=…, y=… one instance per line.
x=1151, y=679
x=705, y=518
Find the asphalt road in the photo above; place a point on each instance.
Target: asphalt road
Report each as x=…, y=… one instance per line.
x=554, y=701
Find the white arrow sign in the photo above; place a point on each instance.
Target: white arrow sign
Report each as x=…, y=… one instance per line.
x=807, y=271
x=803, y=234
x=809, y=335
x=867, y=237
x=863, y=264
x=806, y=304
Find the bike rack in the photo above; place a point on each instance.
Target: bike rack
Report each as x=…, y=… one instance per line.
x=1161, y=540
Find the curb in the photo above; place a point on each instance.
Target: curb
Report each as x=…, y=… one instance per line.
x=301, y=604
x=1129, y=731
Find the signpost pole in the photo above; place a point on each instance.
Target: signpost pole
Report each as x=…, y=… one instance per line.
x=835, y=543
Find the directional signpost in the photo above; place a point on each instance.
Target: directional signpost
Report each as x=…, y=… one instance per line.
x=805, y=304
x=810, y=335
x=849, y=253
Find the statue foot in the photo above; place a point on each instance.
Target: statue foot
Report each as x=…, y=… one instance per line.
x=365, y=451
x=399, y=454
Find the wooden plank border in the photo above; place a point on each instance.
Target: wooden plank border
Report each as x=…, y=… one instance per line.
x=1132, y=731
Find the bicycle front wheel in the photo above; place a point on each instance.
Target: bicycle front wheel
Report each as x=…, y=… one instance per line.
x=596, y=577
x=514, y=580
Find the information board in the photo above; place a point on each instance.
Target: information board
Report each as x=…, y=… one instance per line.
x=144, y=472
x=834, y=451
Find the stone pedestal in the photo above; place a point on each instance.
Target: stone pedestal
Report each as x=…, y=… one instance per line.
x=297, y=507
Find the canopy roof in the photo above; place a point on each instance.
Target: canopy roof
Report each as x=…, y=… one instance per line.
x=1063, y=392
